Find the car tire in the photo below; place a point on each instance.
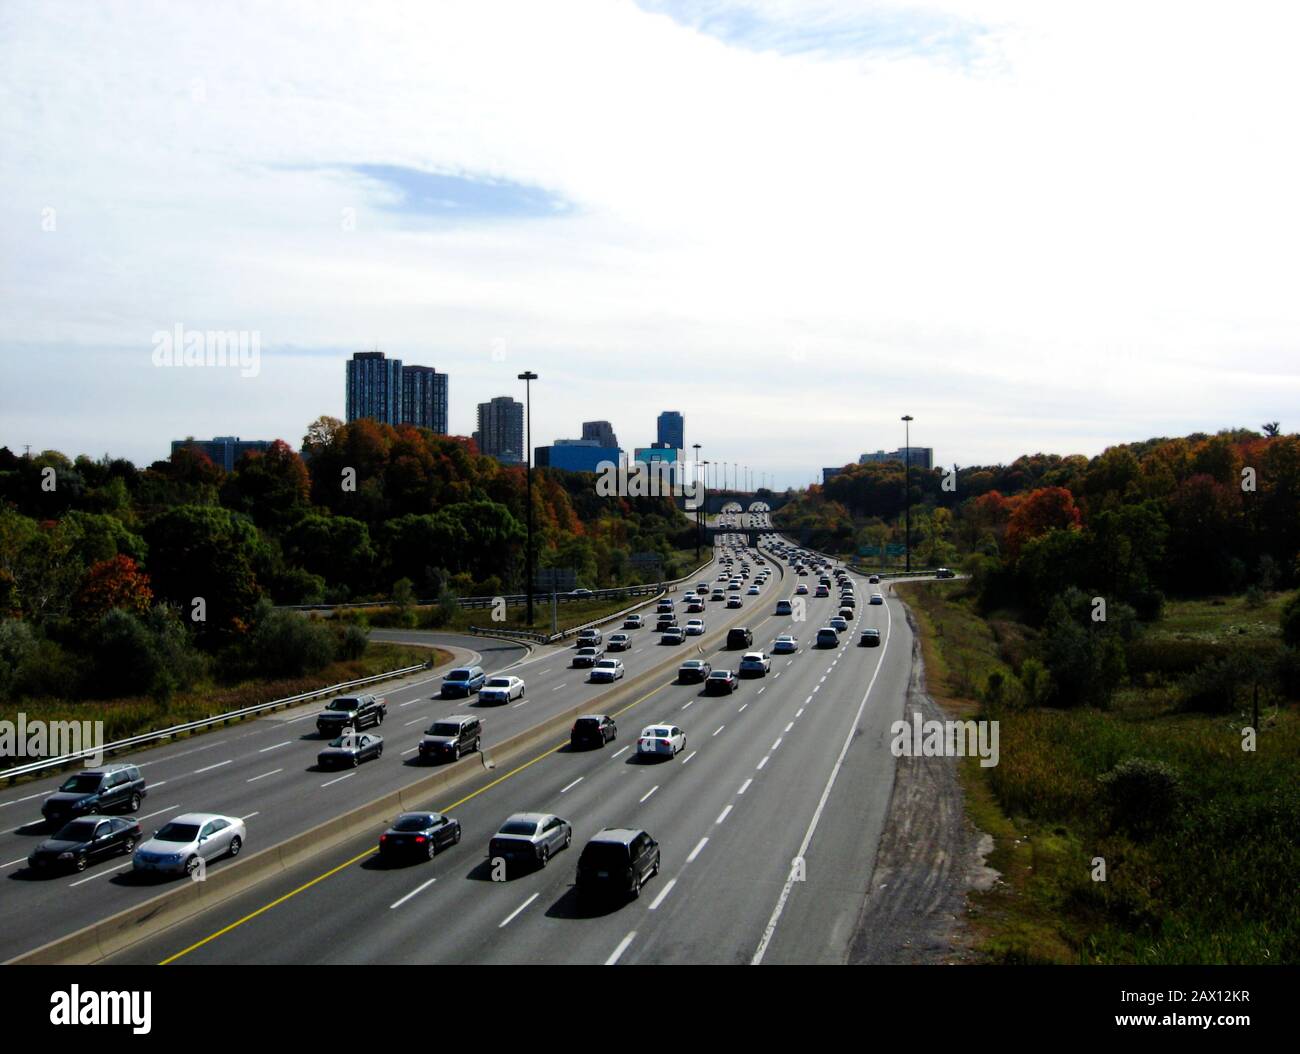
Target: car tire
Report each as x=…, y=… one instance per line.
x=431, y=850
x=455, y=838
x=636, y=887
x=192, y=865
x=379, y=751
x=128, y=847
x=658, y=860
x=543, y=855
x=456, y=753
x=380, y=719
x=568, y=838
x=478, y=746
x=79, y=862
x=134, y=804
x=355, y=760
x=236, y=844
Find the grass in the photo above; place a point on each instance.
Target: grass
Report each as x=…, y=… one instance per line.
x=1214, y=884
x=137, y=715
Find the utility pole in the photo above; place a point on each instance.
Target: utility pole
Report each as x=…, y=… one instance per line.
x=907, y=485
x=699, y=522
x=528, y=377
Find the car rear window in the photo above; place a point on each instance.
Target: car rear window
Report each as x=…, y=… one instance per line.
x=458, y=675
x=524, y=827
x=604, y=855
x=587, y=722
x=498, y=682
x=443, y=728
x=82, y=783
x=413, y=823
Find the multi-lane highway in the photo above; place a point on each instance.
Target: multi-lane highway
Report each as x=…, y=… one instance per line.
x=263, y=772
x=768, y=823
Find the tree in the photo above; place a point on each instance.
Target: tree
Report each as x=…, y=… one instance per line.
x=271, y=486
x=1049, y=508
x=114, y=583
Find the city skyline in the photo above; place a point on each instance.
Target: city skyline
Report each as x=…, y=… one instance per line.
x=851, y=278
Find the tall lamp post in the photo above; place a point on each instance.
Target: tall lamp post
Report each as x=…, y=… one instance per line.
x=699, y=522
x=528, y=376
x=907, y=486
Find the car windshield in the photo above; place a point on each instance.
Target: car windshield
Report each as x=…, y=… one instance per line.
x=659, y=733
x=414, y=823
x=344, y=741
x=458, y=675
x=692, y=664
x=443, y=728
x=77, y=831
x=524, y=827
x=606, y=664
x=178, y=832
x=82, y=783
x=718, y=675
x=342, y=704
x=498, y=682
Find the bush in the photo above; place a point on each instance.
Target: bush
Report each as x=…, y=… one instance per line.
x=1212, y=688
x=123, y=655
x=284, y=644
x=1036, y=680
x=16, y=644
x=1291, y=621
x=46, y=671
x=1141, y=795
x=353, y=643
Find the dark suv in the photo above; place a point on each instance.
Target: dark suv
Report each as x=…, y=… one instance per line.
x=450, y=737
x=617, y=862
x=592, y=730
x=114, y=787
x=350, y=711
x=739, y=638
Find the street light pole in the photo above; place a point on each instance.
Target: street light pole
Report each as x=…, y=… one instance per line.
x=699, y=523
x=528, y=377
x=907, y=485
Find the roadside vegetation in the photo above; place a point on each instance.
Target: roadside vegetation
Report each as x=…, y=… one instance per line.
x=1198, y=836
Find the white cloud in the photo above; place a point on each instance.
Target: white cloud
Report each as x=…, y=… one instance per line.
x=1083, y=237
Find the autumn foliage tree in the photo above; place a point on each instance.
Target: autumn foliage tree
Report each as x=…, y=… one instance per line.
x=1040, y=511
x=114, y=583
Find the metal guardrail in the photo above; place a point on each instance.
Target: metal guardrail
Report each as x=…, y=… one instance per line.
x=190, y=726
x=511, y=599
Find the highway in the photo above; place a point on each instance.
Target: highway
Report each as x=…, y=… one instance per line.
x=794, y=766
x=264, y=772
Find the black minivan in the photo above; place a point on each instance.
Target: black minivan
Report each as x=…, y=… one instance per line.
x=109, y=789
x=617, y=862
x=739, y=637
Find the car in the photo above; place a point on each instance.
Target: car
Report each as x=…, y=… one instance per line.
x=84, y=840
x=801, y=589
x=735, y=602
x=756, y=663
x=617, y=861
x=720, y=682
x=351, y=712
x=870, y=638
x=665, y=605
x=784, y=607
x=351, y=748
x=585, y=657
x=673, y=635
x=703, y=586
x=607, y=670
x=693, y=670
x=828, y=637
x=739, y=637
x=694, y=627
x=462, y=681
x=873, y=580
x=664, y=621
x=838, y=624
x=785, y=644
x=190, y=841
x=418, y=834
x=95, y=791
x=592, y=728
x=581, y=594
x=688, y=597
x=822, y=591
x=733, y=586
x=661, y=739
x=752, y=591
x=503, y=689
x=530, y=838
x=618, y=642
x=589, y=637
x=714, y=597
x=845, y=614
x=945, y=572
x=877, y=598
x=633, y=622
x=452, y=736
x=848, y=601
x=695, y=607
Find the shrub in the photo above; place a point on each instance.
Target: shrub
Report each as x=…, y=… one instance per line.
x=123, y=655
x=284, y=644
x=1036, y=680
x=1291, y=621
x=1141, y=795
x=46, y=670
x=353, y=643
x=1212, y=687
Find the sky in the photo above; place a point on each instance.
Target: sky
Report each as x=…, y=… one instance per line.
x=1032, y=226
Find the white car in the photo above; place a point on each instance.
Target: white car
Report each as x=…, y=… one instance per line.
x=786, y=644
x=735, y=602
x=752, y=591
x=607, y=670
x=755, y=662
x=664, y=739
x=501, y=690
x=694, y=627
x=189, y=841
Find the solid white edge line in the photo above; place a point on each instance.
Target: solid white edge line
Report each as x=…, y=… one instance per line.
x=770, y=930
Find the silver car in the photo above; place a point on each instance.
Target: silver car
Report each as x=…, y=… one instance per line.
x=180, y=844
x=351, y=749
x=530, y=838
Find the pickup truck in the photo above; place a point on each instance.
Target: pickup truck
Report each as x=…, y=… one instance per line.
x=351, y=711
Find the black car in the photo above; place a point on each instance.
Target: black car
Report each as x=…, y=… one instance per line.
x=592, y=730
x=693, y=670
x=739, y=637
x=112, y=788
x=418, y=834
x=945, y=572
x=350, y=711
x=720, y=682
x=85, y=840
x=617, y=862
x=870, y=639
